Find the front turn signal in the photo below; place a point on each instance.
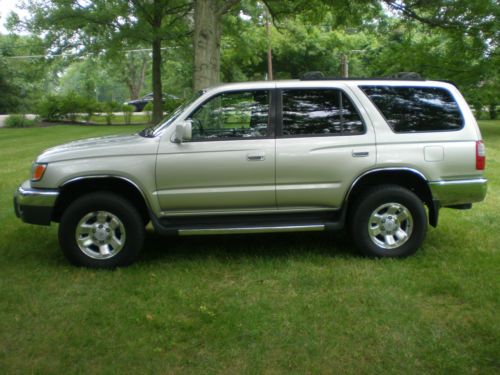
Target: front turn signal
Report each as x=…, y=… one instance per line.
x=37, y=171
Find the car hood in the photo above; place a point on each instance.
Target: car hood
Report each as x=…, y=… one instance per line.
x=132, y=144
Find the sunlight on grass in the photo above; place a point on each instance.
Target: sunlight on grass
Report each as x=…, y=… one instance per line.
x=289, y=303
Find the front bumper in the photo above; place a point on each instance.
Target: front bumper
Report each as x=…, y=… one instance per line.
x=458, y=192
x=34, y=206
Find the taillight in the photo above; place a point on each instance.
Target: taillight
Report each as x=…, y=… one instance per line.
x=480, y=156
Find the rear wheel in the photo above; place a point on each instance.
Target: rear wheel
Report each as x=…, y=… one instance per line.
x=101, y=230
x=388, y=221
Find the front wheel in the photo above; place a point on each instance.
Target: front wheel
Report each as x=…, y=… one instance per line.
x=101, y=230
x=388, y=221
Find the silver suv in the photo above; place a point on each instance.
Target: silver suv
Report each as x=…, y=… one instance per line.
x=282, y=156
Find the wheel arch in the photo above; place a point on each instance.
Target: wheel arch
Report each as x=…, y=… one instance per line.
x=80, y=186
x=409, y=178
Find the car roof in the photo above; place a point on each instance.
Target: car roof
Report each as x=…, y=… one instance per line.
x=318, y=83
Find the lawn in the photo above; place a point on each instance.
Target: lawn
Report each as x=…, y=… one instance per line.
x=254, y=304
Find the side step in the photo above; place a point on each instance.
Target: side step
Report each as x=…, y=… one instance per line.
x=206, y=225
x=250, y=229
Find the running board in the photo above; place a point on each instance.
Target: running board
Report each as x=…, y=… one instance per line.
x=251, y=229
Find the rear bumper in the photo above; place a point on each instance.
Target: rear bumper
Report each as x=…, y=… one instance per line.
x=34, y=206
x=458, y=192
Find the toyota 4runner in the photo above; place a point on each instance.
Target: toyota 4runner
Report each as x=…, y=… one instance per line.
x=283, y=156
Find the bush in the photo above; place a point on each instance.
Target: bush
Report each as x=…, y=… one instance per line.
x=128, y=110
x=60, y=107
x=49, y=108
x=89, y=107
x=18, y=121
x=148, y=109
x=109, y=108
x=72, y=105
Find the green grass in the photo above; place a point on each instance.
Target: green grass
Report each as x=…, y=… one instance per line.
x=272, y=304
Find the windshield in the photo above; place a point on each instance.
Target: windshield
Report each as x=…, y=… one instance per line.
x=171, y=117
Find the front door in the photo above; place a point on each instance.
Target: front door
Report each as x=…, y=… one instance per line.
x=229, y=164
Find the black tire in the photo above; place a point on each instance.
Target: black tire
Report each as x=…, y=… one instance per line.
x=386, y=214
x=118, y=220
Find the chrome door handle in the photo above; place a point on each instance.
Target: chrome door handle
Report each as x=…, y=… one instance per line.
x=256, y=157
x=360, y=154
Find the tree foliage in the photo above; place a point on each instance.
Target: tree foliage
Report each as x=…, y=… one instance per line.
x=455, y=40
x=21, y=79
x=103, y=26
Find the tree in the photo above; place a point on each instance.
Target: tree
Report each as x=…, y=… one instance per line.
x=478, y=19
x=105, y=25
x=131, y=68
x=21, y=79
x=9, y=93
x=94, y=79
x=446, y=51
x=299, y=46
x=207, y=40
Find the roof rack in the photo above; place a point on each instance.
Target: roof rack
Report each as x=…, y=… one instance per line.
x=402, y=76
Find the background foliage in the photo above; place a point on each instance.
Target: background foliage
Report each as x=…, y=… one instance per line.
x=91, y=50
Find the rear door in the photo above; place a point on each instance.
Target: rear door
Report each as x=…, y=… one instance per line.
x=324, y=141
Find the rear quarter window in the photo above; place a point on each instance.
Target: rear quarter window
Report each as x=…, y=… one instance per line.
x=416, y=109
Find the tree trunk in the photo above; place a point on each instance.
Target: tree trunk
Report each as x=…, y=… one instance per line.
x=156, y=73
x=206, y=43
x=157, y=91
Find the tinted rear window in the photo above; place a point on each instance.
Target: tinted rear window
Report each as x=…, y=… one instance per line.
x=416, y=109
x=319, y=112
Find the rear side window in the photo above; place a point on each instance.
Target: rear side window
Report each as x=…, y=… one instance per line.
x=416, y=109
x=319, y=112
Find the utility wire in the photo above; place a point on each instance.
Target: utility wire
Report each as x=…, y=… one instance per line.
x=74, y=54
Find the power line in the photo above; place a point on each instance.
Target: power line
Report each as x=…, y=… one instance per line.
x=77, y=55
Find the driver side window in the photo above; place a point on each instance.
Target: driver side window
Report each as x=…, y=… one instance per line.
x=233, y=115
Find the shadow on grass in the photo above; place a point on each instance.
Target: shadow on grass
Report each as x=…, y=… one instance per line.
x=157, y=249
x=227, y=248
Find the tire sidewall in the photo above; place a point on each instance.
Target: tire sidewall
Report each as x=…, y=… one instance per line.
x=373, y=199
x=101, y=202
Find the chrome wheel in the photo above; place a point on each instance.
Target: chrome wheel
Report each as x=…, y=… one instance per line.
x=390, y=225
x=100, y=235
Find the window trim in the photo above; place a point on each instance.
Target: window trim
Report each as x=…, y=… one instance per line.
x=279, y=119
x=413, y=87
x=271, y=116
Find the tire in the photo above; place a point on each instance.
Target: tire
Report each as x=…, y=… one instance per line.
x=388, y=221
x=101, y=230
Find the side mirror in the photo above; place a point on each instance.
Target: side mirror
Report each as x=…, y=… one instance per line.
x=183, y=131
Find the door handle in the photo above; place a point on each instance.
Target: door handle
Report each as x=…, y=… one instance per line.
x=360, y=154
x=256, y=157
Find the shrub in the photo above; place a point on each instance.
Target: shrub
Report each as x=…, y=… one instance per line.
x=89, y=107
x=70, y=106
x=49, y=108
x=18, y=121
x=109, y=108
x=128, y=110
x=59, y=107
x=148, y=109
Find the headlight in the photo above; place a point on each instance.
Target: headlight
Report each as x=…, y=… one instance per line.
x=37, y=171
